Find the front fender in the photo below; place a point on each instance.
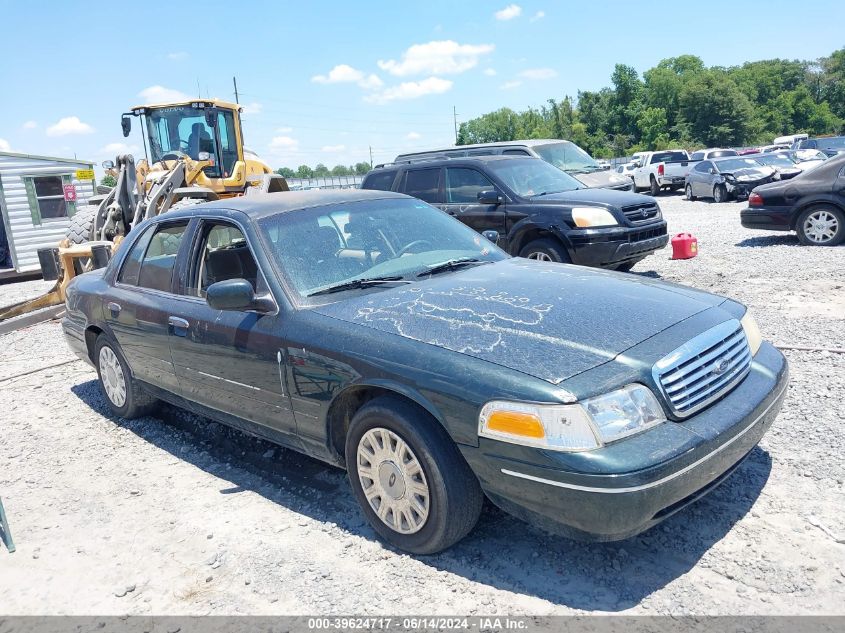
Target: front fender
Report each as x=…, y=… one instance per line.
x=521, y=231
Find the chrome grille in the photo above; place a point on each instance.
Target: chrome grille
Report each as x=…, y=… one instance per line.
x=704, y=369
x=643, y=212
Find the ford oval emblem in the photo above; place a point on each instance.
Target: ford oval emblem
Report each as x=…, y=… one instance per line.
x=721, y=366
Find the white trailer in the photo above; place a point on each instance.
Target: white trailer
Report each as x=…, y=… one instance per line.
x=38, y=196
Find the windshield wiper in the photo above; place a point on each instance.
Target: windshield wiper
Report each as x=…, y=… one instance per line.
x=355, y=284
x=453, y=264
x=548, y=193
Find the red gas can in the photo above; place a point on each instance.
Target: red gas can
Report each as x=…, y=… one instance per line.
x=684, y=246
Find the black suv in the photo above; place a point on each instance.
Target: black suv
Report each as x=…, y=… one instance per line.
x=536, y=210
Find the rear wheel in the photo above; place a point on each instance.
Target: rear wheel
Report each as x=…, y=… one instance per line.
x=653, y=187
x=688, y=193
x=409, y=477
x=123, y=393
x=720, y=193
x=545, y=250
x=821, y=225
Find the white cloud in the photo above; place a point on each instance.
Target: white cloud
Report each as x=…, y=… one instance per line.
x=69, y=125
x=436, y=58
x=4, y=145
x=114, y=149
x=537, y=16
x=410, y=90
x=252, y=108
x=490, y=72
x=284, y=142
x=344, y=73
x=30, y=125
x=178, y=56
x=284, y=130
x=333, y=149
x=509, y=12
x=160, y=94
x=538, y=73
x=510, y=85
x=413, y=136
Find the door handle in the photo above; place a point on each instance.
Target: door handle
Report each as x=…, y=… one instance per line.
x=113, y=307
x=178, y=324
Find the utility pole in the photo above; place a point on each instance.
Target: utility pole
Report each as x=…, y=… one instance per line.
x=235, y=82
x=371, y=156
x=455, y=118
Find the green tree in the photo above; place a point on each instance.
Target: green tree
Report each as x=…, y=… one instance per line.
x=287, y=172
x=108, y=181
x=340, y=170
x=653, y=128
x=715, y=111
x=832, y=82
x=304, y=171
x=626, y=100
x=361, y=168
x=321, y=171
x=501, y=125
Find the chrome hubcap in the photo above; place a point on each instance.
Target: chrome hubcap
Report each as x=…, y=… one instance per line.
x=111, y=375
x=821, y=226
x=541, y=257
x=393, y=481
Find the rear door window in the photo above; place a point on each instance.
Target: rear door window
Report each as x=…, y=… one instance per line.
x=156, y=271
x=423, y=184
x=380, y=181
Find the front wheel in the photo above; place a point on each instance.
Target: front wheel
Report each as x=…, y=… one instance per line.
x=123, y=393
x=545, y=250
x=409, y=477
x=720, y=193
x=821, y=226
x=688, y=193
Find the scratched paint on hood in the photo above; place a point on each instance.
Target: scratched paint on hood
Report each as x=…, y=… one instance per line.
x=547, y=320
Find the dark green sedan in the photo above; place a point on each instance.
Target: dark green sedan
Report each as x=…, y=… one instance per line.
x=375, y=332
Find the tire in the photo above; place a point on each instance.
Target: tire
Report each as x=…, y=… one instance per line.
x=82, y=224
x=434, y=464
x=124, y=395
x=720, y=194
x=810, y=223
x=688, y=193
x=545, y=250
x=626, y=267
x=653, y=187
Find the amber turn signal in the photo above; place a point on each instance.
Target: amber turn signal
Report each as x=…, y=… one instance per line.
x=516, y=423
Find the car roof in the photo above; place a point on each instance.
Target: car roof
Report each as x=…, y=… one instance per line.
x=457, y=160
x=721, y=159
x=265, y=204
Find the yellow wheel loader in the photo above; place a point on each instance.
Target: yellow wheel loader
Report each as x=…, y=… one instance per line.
x=196, y=154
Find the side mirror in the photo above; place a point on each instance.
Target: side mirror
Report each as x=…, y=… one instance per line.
x=491, y=235
x=126, y=124
x=713, y=171
x=211, y=117
x=489, y=197
x=108, y=164
x=237, y=294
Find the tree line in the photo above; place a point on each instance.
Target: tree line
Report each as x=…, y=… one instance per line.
x=321, y=171
x=682, y=103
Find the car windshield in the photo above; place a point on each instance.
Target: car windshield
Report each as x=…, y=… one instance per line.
x=837, y=142
x=567, y=156
x=776, y=160
x=529, y=177
x=322, y=247
x=737, y=163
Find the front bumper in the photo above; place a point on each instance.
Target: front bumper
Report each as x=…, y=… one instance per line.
x=767, y=218
x=610, y=247
x=626, y=487
x=742, y=189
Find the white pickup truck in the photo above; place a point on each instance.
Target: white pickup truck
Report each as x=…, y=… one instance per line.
x=656, y=171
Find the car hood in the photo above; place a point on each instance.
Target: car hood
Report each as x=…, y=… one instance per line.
x=551, y=321
x=604, y=197
x=750, y=173
x=604, y=178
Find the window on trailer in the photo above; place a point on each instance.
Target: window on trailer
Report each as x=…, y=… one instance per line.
x=47, y=197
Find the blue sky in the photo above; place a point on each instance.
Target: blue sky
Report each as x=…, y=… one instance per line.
x=322, y=82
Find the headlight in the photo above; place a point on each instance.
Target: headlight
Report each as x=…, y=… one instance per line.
x=572, y=427
x=752, y=332
x=592, y=216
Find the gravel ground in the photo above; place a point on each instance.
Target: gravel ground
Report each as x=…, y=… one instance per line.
x=178, y=515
